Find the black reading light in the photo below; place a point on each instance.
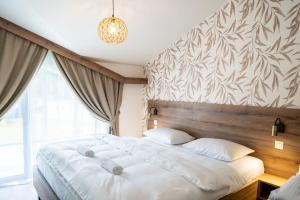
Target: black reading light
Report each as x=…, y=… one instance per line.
x=278, y=127
x=153, y=111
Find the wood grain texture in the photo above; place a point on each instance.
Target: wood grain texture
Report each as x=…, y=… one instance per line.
x=21, y=32
x=248, y=192
x=136, y=81
x=272, y=180
x=247, y=125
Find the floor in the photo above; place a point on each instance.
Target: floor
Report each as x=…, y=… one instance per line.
x=18, y=192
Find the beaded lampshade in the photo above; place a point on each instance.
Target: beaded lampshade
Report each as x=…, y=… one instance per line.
x=112, y=30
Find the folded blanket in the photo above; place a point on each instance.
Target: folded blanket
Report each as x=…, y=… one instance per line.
x=85, y=151
x=112, y=167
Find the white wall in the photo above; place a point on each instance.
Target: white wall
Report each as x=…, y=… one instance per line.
x=132, y=108
x=127, y=70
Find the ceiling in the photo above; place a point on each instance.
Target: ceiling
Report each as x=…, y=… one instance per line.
x=153, y=24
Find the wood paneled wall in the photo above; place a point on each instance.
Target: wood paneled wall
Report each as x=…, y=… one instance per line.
x=247, y=125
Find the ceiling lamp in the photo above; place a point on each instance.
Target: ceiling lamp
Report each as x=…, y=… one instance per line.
x=112, y=30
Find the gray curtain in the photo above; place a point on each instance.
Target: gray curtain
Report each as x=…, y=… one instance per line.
x=101, y=94
x=19, y=60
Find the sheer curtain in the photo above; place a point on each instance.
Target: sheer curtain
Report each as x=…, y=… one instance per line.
x=55, y=112
x=47, y=111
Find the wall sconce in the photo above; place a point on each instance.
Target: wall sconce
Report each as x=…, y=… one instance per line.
x=153, y=111
x=155, y=123
x=278, y=127
x=153, y=114
x=298, y=163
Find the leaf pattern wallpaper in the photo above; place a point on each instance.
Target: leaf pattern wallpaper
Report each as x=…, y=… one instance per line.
x=246, y=53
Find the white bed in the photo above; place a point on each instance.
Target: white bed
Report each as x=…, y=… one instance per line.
x=151, y=171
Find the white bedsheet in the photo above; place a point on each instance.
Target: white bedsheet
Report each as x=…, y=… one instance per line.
x=151, y=171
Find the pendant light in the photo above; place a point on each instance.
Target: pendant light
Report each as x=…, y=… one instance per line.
x=112, y=30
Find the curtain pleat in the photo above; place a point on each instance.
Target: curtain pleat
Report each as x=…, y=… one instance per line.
x=101, y=94
x=19, y=60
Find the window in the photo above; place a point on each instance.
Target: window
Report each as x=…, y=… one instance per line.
x=11, y=143
x=47, y=111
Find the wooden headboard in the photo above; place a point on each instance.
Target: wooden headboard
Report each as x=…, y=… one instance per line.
x=247, y=125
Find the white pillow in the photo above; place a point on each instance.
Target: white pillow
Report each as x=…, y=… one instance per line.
x=218, y=149
x=289, y=191
x=168, y=135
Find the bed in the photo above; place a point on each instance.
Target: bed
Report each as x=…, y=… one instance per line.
x=156, y=179
x=151, y=171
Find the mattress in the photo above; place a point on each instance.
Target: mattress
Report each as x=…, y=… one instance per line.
x=73, y=176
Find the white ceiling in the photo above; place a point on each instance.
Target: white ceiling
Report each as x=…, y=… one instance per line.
x=153, y=24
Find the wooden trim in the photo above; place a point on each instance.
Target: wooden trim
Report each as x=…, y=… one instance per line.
x=247, y=192
x=251, y=190
x=272, y=179
x=19, y=31
x=28, y=35
x=136, y=81
x=267, y=183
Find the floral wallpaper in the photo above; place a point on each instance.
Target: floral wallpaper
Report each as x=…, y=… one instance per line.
x=246, y=53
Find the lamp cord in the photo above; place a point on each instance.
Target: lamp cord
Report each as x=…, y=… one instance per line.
x=113, y=7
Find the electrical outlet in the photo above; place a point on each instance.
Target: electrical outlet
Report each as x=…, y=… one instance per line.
x=279, y=145
x=155, y=122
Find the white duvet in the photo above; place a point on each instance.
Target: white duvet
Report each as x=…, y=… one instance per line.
x=151, y=172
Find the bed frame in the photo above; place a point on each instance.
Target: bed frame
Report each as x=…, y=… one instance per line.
x=250, y=126
x=45, y=192
x=42, y=187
